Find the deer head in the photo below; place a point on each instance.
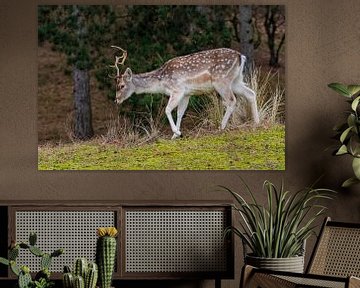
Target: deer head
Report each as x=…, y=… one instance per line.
x=124, y=84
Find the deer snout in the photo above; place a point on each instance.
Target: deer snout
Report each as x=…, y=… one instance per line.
x=119, y=100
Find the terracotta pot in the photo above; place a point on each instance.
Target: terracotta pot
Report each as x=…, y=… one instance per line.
x=291, y=264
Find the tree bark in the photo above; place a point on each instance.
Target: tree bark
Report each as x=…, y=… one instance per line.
x=271, y=26
x=83, y=123
x=246, y=34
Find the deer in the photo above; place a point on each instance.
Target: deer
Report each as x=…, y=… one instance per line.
x=220, y=70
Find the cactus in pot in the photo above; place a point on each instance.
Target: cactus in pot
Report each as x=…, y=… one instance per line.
x=85, y=275
x=42, y=278
x=106, y=254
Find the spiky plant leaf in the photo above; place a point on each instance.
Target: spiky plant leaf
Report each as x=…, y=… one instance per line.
x=340, y=89
x=280, y=228
x=349, y=182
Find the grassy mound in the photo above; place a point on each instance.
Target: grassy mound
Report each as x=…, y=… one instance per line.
x=258, y=149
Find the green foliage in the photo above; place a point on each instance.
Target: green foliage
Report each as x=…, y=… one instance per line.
x=79, y=31
x=260, y=149
x=43, y=283
x=280, y=229
x=42, y=278
x=348, y=132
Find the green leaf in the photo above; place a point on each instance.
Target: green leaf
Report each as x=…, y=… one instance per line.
x=354, y=146
x=349, y=182
x=14, y=268
x=351, y=120
x=356, y=167
x=345, y=134
x=353, y=89
x=342, y=150
x=340, y=88
x=4, y=261
x=355, y=103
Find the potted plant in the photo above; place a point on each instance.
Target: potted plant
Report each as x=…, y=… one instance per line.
x=276, y=233
x=349, y=131
x=84, y=274
x=106, y=254
x=42, y=278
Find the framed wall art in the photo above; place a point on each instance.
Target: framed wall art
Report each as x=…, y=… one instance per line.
x=161, y=87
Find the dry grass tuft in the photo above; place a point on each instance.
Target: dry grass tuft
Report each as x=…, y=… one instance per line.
x=126, y=133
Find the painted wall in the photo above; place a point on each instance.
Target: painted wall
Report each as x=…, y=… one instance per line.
x=322, y=46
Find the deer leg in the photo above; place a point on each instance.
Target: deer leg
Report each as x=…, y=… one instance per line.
x=229, y=101
x=240, y=88
x=181, y=110
x=174, y=101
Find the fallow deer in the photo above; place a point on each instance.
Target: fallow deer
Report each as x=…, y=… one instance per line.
x=194, y=74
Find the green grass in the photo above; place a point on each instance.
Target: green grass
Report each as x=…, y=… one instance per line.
x=258, y=149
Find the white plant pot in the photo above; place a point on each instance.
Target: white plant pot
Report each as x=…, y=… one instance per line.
x=291, y=264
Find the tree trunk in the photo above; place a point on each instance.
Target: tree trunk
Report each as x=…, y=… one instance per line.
x=271, y=26
x=83, y=123
x=246, y=35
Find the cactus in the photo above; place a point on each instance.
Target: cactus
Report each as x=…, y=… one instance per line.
x=23, y=273
x=80, y=268
x=68, y=280
x=79, y=282
x=44, y=273
x=67, y=269
x=32, y=239
x=13, y=253
x=45, y=261
x=14, y=268
x=24, y=279
x=24, y=246
x=36, y=251
x=91, y=276
x=105, y=254
x=87, y=272
x=57, y=252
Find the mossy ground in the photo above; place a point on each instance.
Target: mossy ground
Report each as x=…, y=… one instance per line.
x=257, y=149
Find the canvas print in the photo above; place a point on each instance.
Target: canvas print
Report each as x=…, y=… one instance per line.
x=160, y=87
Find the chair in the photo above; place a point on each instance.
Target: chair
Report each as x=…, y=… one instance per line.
x=335, y=262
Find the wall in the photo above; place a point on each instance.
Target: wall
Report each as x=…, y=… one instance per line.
x=322, y=46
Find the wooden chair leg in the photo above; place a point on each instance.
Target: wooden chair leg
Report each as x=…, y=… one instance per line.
x=217, y=283
x=354, y=282
x=251, y=279
x=246, y=274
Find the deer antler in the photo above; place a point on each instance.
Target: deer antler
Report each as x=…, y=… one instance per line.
x=119, y=59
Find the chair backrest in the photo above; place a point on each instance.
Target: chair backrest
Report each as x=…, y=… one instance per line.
x=337, y=251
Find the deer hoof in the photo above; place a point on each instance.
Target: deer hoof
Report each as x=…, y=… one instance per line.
x=176, y=135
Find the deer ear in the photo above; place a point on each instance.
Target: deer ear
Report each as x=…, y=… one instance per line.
x=128, y=74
